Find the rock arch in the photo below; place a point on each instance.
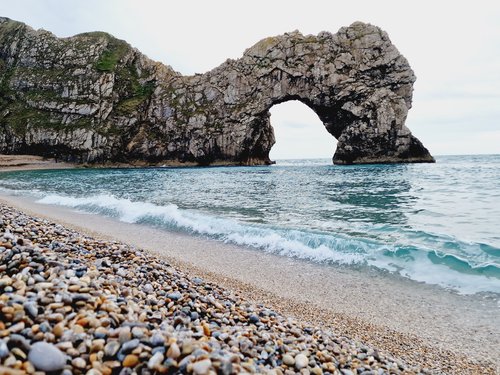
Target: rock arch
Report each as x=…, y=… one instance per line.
x=355, y=81
x=93, y=98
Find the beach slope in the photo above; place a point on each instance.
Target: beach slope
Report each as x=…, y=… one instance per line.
x=212, y=297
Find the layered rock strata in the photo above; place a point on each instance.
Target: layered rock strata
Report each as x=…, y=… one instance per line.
x=93, y=98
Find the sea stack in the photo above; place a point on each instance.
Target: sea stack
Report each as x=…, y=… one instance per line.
x=92, y=98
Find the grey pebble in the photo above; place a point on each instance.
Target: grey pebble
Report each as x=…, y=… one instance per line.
x=254, y=318
x=111, y=348
x=157, y=339
x=4, y=350
x=31, y=308
x=175, y=296
x=46, y=357
x=197, y=280
x=155, y=360
x=130, y=345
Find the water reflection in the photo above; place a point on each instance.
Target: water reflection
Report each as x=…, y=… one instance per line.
x=375, y=194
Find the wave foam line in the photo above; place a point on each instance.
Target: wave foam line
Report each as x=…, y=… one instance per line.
x=415, y=263
x=295, y=243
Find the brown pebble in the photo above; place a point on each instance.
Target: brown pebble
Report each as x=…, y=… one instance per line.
x=58, y=329
x=28, y=367
x=130, y=360
x=83, y=322
x=206, y=329
x=9, y=371
x=97, y=345
x=93, y=358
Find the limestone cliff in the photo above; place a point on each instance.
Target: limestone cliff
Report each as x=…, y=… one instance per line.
x=93, y=98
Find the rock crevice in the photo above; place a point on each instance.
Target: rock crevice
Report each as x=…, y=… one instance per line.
x=93, y=98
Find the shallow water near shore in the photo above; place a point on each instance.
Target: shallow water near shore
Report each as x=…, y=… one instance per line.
x=436, y=223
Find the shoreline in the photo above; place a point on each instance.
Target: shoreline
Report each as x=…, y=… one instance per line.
x=11, y=163
x=419, y=323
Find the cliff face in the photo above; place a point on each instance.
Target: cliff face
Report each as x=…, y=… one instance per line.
x=93, y=98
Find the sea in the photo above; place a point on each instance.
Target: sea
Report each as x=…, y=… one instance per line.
x=431, y=223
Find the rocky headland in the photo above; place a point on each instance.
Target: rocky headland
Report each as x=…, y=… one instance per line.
x=92, y=98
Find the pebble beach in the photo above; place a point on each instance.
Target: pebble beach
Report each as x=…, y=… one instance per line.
x=74, y=304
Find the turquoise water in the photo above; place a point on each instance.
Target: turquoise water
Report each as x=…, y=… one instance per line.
x=434, y=223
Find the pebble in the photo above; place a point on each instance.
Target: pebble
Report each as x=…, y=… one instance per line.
x=130, y=345
x=288, y=360
x=148, y=288
x=254, y=319
x=101, y=332
x=197, y=280
x=4, y=350
x=137, y=332
x=78, y=363
x=46, y=357
x=157, y=339
x=131, y=360
x=175, y=296
x=111, y=348
x=173, y=352
x=202, y=367
x=31, y=308
x=125, y=334
x=155, y=361
x=301, y=361
x=58, y=330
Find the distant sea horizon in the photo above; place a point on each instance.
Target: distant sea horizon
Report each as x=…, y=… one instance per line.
x=330, y=157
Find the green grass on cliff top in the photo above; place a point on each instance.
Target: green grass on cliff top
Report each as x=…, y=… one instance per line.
x=114, y=52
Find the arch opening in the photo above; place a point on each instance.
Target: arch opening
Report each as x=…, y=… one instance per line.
x=299, y=133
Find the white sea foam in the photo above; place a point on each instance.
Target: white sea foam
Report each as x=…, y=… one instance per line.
x=317, y=247
x=280, y=242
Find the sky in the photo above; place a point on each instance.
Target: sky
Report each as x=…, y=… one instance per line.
x=453, y=47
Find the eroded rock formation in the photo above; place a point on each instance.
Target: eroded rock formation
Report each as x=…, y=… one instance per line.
x=93, y=98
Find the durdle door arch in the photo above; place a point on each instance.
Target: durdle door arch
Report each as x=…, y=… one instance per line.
x=355, y=81
x=93, y=98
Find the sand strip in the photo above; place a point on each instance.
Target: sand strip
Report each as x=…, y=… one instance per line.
x=29, y=162
x=422, y=324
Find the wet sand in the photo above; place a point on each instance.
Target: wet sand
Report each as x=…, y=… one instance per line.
x=421, y=324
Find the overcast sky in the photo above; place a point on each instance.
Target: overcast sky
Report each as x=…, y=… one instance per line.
x=453, y=47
